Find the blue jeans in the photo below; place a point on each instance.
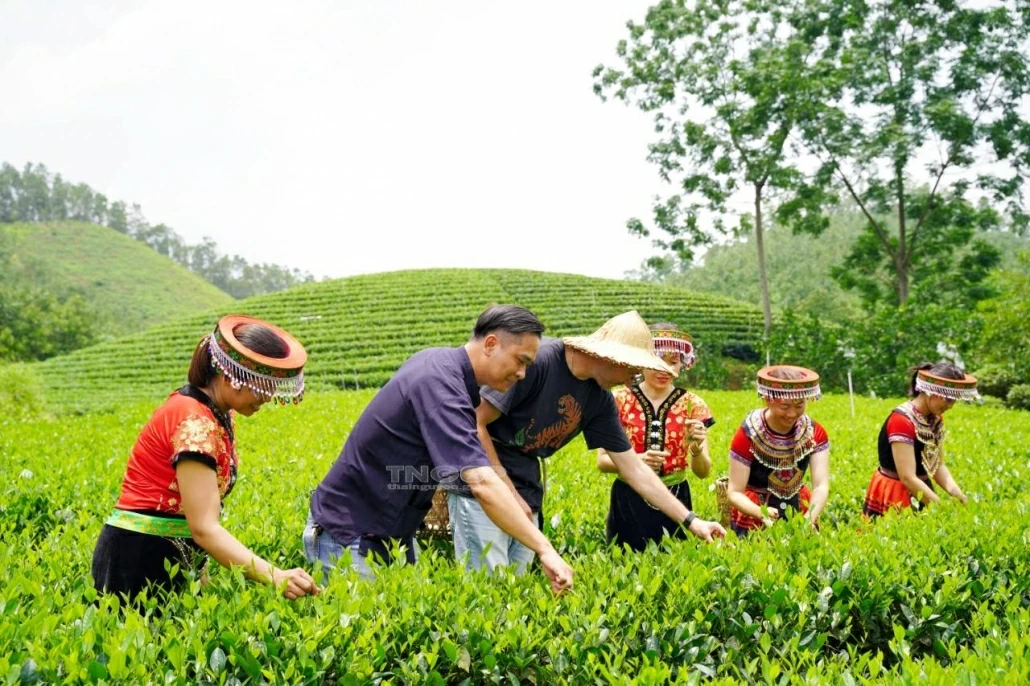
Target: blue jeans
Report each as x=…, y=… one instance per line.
x=321, y=547
x=473, y=532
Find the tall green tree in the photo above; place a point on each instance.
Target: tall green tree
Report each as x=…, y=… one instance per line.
x=118, y=217
x=80, y=203
x=917, y=116
x=10, y=180
x=34, y=193
x=59, y=195
x=724, y=80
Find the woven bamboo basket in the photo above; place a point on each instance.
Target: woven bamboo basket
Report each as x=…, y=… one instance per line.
x=722, y=498
x=437, y=523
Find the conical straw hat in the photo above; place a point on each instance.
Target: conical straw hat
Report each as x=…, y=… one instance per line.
x=623, y=340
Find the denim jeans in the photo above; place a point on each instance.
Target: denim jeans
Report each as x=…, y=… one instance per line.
x=473, y=531
x=321, y=547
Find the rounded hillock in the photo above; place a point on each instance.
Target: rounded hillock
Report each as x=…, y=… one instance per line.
x=358, y=330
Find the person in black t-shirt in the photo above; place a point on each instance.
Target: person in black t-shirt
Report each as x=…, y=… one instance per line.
x=565, y=393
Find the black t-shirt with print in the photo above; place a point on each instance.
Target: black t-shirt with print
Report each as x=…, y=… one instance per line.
x=546, y=410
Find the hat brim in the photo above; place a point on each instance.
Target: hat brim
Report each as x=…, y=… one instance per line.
x=963, y=390
x=619, y=353
x=295, y=359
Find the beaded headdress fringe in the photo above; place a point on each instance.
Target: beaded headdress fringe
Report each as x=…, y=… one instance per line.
x=813, y=393
x=281, y=389
x=672, y=345
x=930, y=388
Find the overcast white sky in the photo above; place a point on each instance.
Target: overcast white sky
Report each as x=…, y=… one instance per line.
x=342, y=137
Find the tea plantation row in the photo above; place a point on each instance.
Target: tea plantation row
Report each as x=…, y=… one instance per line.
x=358, y=330
x=942, y=597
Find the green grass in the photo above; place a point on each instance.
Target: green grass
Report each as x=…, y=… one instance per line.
x=942, y=597
x=358, y=330
x=128, y=285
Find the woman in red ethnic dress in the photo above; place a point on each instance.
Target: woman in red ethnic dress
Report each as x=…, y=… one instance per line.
x=911, y=440
x=184, y=465
x=668, y=426
x=773, y=449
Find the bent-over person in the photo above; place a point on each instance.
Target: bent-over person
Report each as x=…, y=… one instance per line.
x=418, y=431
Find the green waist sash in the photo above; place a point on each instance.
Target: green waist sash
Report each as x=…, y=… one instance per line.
x=673, y=479
x=147, y=524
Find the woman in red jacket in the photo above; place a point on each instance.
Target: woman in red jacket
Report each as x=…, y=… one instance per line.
x=184, y=465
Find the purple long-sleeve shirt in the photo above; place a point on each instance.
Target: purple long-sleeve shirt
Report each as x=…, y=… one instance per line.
x=419, y=430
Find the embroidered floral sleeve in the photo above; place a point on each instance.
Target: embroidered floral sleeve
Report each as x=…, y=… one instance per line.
x=620, y=396
x=698, y=409
x=626, y=404
x=196, y=434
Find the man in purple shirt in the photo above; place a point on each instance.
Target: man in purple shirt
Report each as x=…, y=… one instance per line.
x=418, y=431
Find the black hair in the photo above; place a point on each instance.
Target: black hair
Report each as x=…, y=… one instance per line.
x=510, y=319
x=262, y=340
x=785, y=374
x=256, y=337
x=945, y=370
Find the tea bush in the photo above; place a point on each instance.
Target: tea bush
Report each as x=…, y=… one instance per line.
x=21, y=392
x=995, y=380
x=939, y=597
x=1019, y=397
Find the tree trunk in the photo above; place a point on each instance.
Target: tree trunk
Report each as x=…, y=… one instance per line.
x=763, y=278
x=901, y=256
x=902, y=281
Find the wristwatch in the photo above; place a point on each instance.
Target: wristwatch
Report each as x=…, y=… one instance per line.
x=689, y=520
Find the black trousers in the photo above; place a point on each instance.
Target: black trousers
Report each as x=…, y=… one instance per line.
x=633, y=522
x=126, y=562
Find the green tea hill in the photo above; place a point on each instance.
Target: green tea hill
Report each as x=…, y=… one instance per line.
x=358, y=330
x=128, y=285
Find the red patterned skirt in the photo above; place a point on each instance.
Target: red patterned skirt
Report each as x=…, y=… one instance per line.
x=887, y=492
x=742, y=523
